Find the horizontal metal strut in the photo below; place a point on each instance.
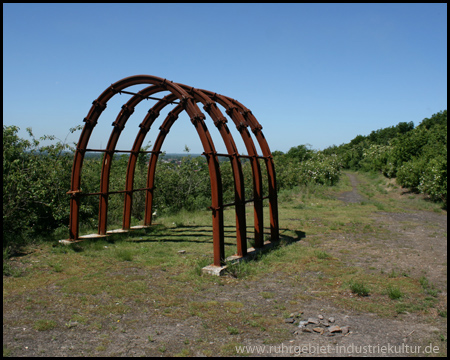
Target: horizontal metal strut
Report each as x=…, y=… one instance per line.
x=147, y=97
x=240, y=156
x=123, y=151
x=245, y=201
x=114, y=192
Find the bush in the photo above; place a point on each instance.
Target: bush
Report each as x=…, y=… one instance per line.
x=318, y=169
x=410, y=173
x=376, y=157
x=35, y=181
x=416, y=156
x=434, y=180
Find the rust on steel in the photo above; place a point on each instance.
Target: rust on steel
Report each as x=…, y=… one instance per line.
x=186, y=99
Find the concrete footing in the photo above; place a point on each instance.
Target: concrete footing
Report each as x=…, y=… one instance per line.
x=233, y=259
x=94, y=236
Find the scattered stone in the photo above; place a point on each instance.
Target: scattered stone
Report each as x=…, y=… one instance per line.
x=320, y=325
x=293, y=315
x=319, y=330
x=334, y=328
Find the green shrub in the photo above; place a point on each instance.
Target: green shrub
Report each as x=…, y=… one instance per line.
x=434, y=179
x=319, y=168
x=35, y=181
x=394, y=293
x=410, y=173
x=359, y=288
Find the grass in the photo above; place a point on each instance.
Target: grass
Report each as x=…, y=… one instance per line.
x=322, y=254
x=359, y=288
x=394, y=293
x=43, y=325
x=140, y=280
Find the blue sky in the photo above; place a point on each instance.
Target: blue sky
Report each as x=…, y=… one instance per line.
x=317, y=74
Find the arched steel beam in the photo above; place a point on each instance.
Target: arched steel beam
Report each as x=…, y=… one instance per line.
x=218, y=119
x=220, y=122
x=273, y=202
x=144, y=128
x=241, y=125
x=164, y=129
x=119, y=125
x=239, y=189
x=197, y=118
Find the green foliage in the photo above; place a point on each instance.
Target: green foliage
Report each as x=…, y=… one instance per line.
x=410, y=173
x=434, y=180
x=35, y=181
x=182, y=186
x=417, y=157
x=316, y=167
x=300, y=153
x=36, y=178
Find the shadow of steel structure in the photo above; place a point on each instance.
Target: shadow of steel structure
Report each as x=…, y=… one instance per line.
x=185, y=98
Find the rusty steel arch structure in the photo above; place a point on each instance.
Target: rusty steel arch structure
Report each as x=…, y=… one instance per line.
x=186, y=99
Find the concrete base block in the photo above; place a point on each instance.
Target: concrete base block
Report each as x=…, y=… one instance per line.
x=251, y=253
x=214, y=270
x=68, y=242
x=117, y=231
x=94, y=236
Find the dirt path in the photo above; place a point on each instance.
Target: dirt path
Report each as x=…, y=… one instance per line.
x=352, y=196
x=416, y=246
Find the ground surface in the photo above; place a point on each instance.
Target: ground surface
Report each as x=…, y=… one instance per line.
x=408, y=245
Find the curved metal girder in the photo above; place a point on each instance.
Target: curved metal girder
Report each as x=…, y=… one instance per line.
x=188, y=97
x=196, y=116
x=119, y=125
x=220, y=122
x=273, y=201
x=144, y=126
x=241, y=125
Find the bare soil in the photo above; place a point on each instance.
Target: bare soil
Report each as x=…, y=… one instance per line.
x=417, y=245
